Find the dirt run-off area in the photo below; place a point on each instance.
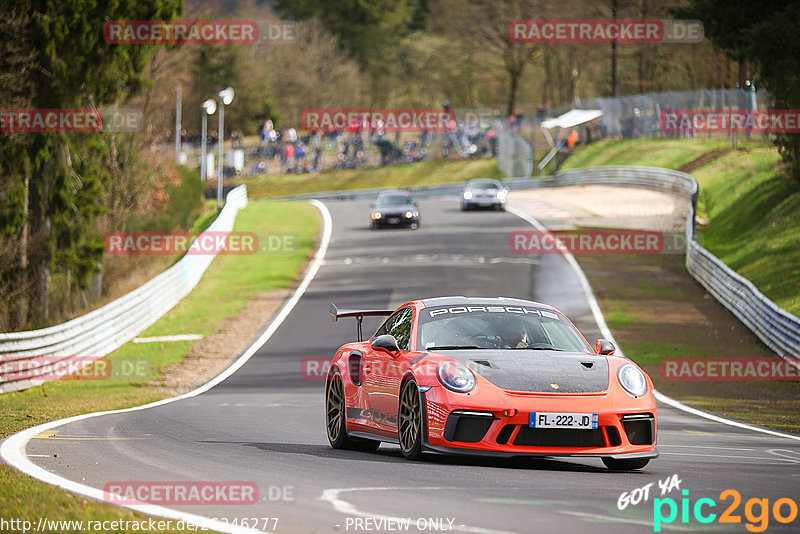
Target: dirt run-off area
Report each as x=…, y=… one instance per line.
x=655, y=309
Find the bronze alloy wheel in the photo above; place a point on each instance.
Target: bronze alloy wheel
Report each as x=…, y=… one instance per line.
x=335, y=411
x=409, y=429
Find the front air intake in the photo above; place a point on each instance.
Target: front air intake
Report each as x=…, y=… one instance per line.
x=468, y=427
x=640, y=428
x=559, y=437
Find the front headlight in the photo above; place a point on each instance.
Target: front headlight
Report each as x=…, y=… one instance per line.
x=455, y=376
x=467, y=195
x=377, y=215
x=409, y=215
x=632, y=379
x=502, y=194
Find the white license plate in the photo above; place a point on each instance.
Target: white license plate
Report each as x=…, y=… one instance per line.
x=394, y=220
x=586, y=421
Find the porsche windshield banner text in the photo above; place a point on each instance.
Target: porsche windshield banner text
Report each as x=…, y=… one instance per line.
x=456, y=310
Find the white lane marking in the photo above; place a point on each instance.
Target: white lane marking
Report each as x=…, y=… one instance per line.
x=332, y=496
x=587, y=289
x=601, y=323
x=792, y=461
x=660, y=397
x=660, y=445
x=12, y=449
x=178, y=337
x=793, y=456
x=40, y=456
x=529, y=261
x=425, y=258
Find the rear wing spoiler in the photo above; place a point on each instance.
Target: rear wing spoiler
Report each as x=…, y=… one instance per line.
x=336, y=313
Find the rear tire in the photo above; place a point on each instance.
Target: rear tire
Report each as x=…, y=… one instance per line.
x=335, y=413
x=409, y=427
x=625, y=465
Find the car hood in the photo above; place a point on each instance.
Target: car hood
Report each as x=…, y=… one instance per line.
x=537, y=370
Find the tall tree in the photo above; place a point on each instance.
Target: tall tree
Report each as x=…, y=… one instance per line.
x=491, y=19
x=764, y=34
x=369, y=30
x=73, y=67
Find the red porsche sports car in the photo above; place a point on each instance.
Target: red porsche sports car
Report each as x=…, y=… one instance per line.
x=488, y=376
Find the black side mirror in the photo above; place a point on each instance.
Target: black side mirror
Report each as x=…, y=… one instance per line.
x=385, y=343
x=604, y=347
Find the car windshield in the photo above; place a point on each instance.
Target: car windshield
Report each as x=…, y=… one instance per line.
x=498, y=327
x=394, y=200
x=484, y=186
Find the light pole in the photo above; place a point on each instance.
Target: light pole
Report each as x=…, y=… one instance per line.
x=225, y=98
x=178, y=126
x=209, y=107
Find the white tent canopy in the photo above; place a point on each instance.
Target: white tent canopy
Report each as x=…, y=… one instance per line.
x=572, y=118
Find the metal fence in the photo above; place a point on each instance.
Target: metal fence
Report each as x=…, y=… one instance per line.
x=638, y=115
x=100, y=332
x=624, y=117
x=514, y=154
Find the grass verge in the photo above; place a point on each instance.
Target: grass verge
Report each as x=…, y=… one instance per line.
x=407, y=175
x=214, y=299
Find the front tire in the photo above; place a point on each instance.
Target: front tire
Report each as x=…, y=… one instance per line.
x=625, y=465
x=409, y=428
x=335, y=413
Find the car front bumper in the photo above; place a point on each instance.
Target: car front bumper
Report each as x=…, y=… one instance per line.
x=499, y=426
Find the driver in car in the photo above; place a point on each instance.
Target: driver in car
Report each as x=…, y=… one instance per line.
x=512, y=333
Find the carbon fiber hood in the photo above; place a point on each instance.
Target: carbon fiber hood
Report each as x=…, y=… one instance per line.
x=537, y=370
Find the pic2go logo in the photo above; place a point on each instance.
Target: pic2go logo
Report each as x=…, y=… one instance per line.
x=757, y=511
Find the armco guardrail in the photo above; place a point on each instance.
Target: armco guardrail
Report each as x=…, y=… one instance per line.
x=105, y=329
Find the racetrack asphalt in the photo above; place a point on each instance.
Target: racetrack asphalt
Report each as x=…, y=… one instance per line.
x=265, y=424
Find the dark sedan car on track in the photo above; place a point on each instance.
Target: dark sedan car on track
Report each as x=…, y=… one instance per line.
x=484, y=193
x=488, y=376
x=394, y=208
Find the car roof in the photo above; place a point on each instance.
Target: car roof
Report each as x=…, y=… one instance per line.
x=476, y=181
x=481, y=301
x=394, y=192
